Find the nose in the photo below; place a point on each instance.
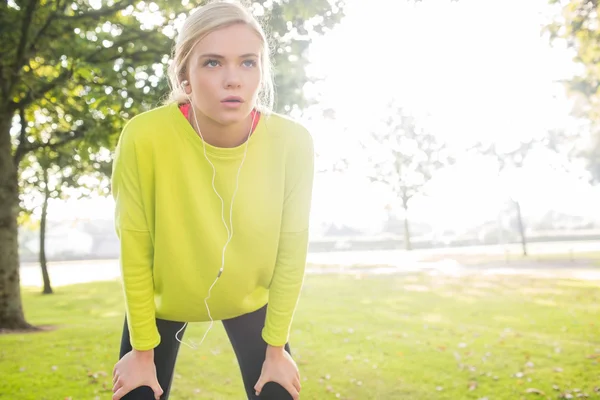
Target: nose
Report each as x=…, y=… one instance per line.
x=232, y=77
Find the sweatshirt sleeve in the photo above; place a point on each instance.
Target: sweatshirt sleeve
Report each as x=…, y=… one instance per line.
x=136, y=244
x=289, y=270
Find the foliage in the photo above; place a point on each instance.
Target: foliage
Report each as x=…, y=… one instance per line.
x=578, y=25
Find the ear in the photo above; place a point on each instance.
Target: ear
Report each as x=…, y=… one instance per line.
x=185, y=86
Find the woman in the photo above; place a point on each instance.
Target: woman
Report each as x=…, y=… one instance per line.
x=213, y=197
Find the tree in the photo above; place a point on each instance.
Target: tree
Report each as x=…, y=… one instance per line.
x=48, y=174
x=404, y=157
x=578, y=25
x=506, y=159
x=83, y=69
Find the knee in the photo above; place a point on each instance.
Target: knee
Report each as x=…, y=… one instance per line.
x=140, y=393
x=274, y=391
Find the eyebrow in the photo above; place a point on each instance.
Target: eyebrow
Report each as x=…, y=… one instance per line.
x=212, y=55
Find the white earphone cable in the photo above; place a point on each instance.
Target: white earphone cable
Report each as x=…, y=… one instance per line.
x=229, y=228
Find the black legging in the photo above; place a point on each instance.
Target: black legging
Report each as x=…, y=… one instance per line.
x=245, y=336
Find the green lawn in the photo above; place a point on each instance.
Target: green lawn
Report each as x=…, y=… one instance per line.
x=402, y=337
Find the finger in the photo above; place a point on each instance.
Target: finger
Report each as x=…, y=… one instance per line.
x=259, y=385
x=297, y=385
x=115, y=378
x=117, y=385
x=157, y=390
x=292, y=390
x=120, y=393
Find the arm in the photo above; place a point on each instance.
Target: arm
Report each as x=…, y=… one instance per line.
x=288, y=275
x=136, y=245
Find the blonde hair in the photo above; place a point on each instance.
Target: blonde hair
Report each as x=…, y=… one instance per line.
x=213, y=16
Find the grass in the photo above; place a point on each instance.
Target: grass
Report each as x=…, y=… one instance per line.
x=355, y=337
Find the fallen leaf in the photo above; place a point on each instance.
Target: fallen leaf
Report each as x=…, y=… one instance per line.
x=472, y=385
x=535, y=391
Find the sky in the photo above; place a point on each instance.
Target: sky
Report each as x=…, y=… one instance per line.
x=480, y=69
x=472, y=69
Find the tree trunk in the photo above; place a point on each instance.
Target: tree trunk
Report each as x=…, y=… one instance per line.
x=11, y=309
x=43, y=263
x=407, y=243
x=521, y=228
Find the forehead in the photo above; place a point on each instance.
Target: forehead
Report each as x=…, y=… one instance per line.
x=230, y=41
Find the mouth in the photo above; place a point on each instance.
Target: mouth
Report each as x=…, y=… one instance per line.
x=232, y=99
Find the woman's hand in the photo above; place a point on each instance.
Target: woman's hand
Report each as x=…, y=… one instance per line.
x=279, y=367
x=135, y=369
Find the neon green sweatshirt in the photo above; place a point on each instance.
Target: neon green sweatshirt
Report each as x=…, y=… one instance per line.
x=168, y=220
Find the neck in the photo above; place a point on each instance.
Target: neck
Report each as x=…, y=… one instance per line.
x=218, y=135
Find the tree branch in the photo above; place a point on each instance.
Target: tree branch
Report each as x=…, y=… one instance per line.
x=103, y=12
x=27, y=19
x=33, y=94
x=76, y=134
x=45, y=27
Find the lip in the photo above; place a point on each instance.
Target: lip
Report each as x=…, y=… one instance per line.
x=232, y=98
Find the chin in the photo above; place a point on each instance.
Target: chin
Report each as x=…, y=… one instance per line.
x=231, y=117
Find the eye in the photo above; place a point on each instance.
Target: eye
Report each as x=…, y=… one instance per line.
x=249, y=63
x=211, y=63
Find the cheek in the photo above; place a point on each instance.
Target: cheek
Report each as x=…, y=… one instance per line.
x=205, y=87
x=254, y=80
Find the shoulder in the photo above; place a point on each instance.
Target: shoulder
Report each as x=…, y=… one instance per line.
x=292, y=131
x=144, y=125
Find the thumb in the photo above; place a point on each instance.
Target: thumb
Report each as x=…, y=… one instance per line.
x=157, y=391
x=259, y=385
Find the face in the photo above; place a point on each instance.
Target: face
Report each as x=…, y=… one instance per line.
x=224, y=74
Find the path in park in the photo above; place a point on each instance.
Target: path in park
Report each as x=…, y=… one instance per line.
x=370, y=262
